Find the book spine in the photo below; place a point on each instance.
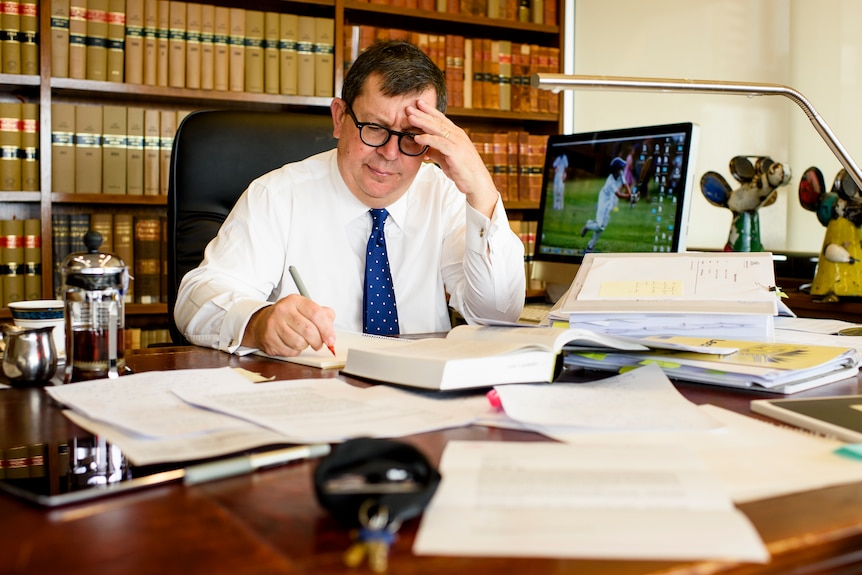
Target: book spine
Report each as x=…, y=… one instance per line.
x=97, y=40
x=29, y=12
x=152, y=142
x=207, y=47
x=114, y=150
x=287, y=43
x=177, y=44
x=124, y=231
x=63, y=148
x=193, y=45
x=305, y=56
x=10, y=143
x=29, y=147
x=60, y=248
x=103, y=223
x=60, y=38
x=324, y=54
x=78, y=39
x=147, y=262
x=116, y=44
x=167, y=128
x=79, y=225
x=221, y=45
x=151, y=42
x=236, y=59
x=163, y=26
x=254, y=52
x=135, y=151
x=271, y=66
x=134, y=45
x=13, y=261
x=88, y=152
x=32, y=259
x=10, y=43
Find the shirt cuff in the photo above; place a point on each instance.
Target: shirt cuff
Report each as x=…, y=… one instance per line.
x=234, y=324
x=480, y=229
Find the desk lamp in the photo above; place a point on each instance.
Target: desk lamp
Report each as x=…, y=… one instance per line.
x=556, y=82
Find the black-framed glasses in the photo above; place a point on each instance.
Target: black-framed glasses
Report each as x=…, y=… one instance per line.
x=375, y=135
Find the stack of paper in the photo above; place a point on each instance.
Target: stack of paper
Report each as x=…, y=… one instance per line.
x=775, y=367
x=726, y=294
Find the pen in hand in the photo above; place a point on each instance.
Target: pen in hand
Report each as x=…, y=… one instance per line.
x=304, y=293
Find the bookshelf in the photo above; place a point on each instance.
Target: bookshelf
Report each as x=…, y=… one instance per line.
x=47, y=88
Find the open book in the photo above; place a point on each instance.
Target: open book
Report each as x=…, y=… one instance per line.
x=477, y=356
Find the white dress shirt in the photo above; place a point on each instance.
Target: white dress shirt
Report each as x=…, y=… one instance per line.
x=303, y=215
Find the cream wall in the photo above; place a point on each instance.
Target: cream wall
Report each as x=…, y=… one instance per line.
x=810, y=46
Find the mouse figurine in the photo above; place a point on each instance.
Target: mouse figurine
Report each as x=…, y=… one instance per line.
x=759, y=183
x=839, y=269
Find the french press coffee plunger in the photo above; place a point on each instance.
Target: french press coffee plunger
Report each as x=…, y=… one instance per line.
x=94, y=287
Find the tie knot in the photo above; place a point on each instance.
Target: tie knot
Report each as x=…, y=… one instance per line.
x=379, y=216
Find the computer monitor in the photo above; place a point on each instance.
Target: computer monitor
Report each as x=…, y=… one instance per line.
x=624, y=190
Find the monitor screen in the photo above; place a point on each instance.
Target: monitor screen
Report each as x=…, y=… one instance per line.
x=624, y=190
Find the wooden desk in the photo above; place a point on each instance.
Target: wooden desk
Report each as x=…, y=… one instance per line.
x=270, y=522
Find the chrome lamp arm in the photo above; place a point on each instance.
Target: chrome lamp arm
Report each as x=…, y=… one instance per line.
x=557, y=82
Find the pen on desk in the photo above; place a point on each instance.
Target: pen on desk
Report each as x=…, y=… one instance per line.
x=304, y=293
x=243, y=464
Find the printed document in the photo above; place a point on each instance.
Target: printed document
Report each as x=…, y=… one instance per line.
x=608, y=502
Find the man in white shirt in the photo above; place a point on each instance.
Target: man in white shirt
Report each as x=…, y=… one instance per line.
x=447, y=235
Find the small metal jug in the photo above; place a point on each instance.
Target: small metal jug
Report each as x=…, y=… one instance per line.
x=30, y=354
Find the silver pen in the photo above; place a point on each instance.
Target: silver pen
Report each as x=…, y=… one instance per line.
x=243, y=464
x=304, y=293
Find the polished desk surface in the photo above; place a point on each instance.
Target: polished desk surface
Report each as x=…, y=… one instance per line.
x=270, y=522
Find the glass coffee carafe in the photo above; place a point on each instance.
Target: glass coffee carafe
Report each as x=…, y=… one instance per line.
x=94, y=287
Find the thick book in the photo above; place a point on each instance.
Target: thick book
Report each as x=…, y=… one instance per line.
x=29, y=37
x=288, y=30
x=88, y=149
x=177, y=44
x=147, y=260
x=838, y=416
x=135, y=151
x=97, y=40
x=207, y=63
x=305, y=32
x=236, y=54
x=163, y=28
x=32, y=259
x=193, y=45
x=103, y=222
x=255, y=23
x=60, y=248
x=476, y=356
x=324, y=56
x=221, y=49
x=10, y=143
x=114, y=150
x=152, y=159
x=60, y=38
x=78, y=39
x=271, y=55
x=29, y=147
x=116, y=42
x=134, y=42
x=10, y=41
x=12, y=260
x=167, y=126
x=124, y=231
x=151, y=42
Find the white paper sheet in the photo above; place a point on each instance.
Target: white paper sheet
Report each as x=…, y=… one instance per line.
x=314, y=410
x=605, y=502
x=642, y=399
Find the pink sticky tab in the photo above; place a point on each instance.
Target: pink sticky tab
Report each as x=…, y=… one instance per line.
x=494, y=399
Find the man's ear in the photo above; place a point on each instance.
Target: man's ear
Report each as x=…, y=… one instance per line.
x=338, y=108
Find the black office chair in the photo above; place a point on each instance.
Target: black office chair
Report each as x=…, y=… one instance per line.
x=216, y=154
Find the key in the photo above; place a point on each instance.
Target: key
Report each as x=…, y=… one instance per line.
x=373, y=539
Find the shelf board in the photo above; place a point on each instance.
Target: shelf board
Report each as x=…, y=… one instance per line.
x=16, y=80
x=109, y=199
x=20, y=196
x=131, y=92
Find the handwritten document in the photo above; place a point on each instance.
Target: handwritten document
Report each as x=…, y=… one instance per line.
x=609, y=502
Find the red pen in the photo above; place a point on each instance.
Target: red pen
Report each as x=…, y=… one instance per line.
x=304, y=293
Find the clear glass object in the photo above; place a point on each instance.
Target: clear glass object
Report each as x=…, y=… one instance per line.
x=94, y=287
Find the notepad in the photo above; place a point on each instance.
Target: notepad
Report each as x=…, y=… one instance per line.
x=344, y=341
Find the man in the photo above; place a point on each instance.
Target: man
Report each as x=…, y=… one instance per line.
x=609, y=196
x=446, y=236
x=560, y=165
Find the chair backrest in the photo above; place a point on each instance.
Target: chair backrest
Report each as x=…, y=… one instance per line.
x=216, y=154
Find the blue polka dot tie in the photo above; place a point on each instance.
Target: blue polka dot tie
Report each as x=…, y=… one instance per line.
x=378, y=299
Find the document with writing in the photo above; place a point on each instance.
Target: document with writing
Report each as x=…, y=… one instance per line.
x=555, y=500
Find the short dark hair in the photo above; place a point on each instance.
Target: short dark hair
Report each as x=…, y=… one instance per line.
x=403, y=68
